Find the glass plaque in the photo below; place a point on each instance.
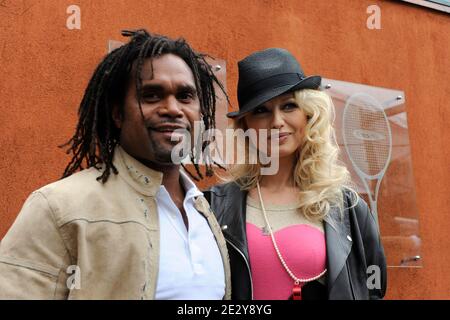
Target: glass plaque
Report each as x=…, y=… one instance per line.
x=372, y=132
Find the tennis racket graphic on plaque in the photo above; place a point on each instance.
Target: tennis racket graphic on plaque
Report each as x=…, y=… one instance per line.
x=368, y=142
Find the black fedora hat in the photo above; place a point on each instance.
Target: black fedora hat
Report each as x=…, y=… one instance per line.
x=266, y=74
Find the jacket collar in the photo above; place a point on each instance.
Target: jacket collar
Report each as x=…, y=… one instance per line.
x=143, y=179
x=231, y=214
x=148, y=181
x=339, y=242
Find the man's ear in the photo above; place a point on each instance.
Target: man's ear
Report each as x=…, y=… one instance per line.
x=116, y=116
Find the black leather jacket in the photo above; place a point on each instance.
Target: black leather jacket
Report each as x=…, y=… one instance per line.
x=353, y=244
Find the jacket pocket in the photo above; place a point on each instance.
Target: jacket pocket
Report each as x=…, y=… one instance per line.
x=16, y=263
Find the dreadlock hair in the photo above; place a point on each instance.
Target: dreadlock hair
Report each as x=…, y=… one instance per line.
x=96, y=135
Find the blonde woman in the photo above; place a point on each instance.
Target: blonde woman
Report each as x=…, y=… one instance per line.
x=300, y=233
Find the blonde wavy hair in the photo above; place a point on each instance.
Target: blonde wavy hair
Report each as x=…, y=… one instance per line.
x=318, y=174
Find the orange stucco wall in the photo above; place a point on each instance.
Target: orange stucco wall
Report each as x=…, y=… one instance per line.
x=45, y=68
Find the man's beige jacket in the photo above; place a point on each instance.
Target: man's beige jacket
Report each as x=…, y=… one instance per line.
x=80, y=239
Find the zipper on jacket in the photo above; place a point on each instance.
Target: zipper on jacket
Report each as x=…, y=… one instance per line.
x=246, y=263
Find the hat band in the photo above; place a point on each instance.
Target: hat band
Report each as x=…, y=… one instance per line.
x=272, y=82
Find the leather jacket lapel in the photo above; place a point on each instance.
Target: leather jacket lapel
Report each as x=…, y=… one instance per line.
x=229, y=204
x=234, y=218
x=339, y=243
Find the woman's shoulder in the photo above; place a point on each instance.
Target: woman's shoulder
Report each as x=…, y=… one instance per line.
x=353, y=200
x=224, y=189
x=225, y=200
x=357, y=206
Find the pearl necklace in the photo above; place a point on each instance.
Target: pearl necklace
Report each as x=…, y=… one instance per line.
x=297, y=289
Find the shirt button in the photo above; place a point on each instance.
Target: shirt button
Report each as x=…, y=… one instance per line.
x=349, y=238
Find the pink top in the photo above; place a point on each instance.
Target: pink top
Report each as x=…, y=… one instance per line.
x=302, y=247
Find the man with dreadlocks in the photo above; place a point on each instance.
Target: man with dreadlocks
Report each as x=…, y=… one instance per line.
x=130, y=224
